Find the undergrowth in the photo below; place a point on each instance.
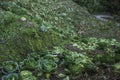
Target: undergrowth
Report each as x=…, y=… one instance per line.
x=49, y=40
x=100, y=6
x=64, y=64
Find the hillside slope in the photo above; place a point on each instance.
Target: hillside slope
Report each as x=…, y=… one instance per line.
x=37, y=26
x=63, y=19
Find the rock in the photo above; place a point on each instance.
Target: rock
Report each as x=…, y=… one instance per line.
x=104, y=17
x=23, y=19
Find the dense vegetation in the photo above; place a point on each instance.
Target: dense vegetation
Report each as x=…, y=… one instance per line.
x=56, y=40
x=100, y=5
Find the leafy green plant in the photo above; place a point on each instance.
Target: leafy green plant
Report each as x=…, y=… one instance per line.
x=52, y=56
x=34, y=55
x=63, y=76
x=109, y=49
x=76, y=62
x=104, y=43
x=87, y=44
x=9, y=67
x=75, y=69
x=27, y=75
x=11, y=76
x=46, y=65
x=117, y=67
x=29, y=63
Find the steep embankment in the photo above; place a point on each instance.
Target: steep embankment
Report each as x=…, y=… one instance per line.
x=64, y=17
x=28, y=27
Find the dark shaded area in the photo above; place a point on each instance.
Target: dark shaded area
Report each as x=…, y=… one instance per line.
x=111, y=6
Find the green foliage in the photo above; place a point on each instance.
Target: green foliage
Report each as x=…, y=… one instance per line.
x=21, y=37
x=9, y=67
x=29, y=63
x=27, y=75
x=14, y=8
x=46, y=65
x=117, y=67
x=109, y=54
x=33, y=33
x=91, y=44
x=12, y=76
x=72, y=64
x=92, y=6
x=100, y=5
x=77, y=63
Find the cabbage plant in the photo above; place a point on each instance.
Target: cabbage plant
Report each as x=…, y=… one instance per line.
x=46, y=65
x=76, y=63
x=9, y=67
x=29, y=63
x=11, y=76
x=27, y=75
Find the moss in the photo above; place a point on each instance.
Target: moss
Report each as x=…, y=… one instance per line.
x=19, y=38
x=34, y=40
x=25, y=40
